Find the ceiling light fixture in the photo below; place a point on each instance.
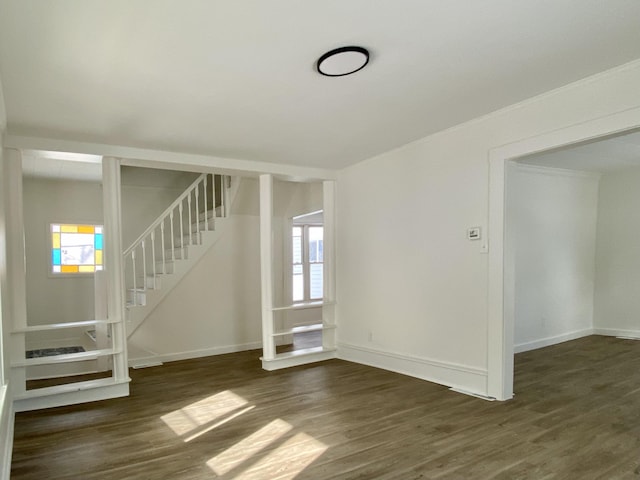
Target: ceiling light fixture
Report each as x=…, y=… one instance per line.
x=343, y=61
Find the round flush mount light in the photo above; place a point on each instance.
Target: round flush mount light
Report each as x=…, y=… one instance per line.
x=343, y=61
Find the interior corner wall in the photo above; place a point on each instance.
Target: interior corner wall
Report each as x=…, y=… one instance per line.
x=552, y=214
x=56, y=299
x=617, y=303
x=216, y=307
x=411, y=289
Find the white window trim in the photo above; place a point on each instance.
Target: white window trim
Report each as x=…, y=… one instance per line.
x=305, y=262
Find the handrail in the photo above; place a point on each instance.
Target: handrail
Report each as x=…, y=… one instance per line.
x=162, y=217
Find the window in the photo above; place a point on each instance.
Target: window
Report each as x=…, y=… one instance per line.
x=76, y=248
x=307, y=260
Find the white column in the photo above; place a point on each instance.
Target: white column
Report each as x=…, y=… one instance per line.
x=329, y=259
x=113, y=263
x=14, y=300
x=101, y=313
x=266, y=265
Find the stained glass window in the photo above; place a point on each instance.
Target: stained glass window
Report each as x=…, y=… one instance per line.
x=76, y=248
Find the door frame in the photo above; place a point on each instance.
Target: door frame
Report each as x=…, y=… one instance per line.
x=501, y=255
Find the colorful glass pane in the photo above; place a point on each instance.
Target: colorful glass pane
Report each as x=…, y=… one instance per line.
x=76, y=248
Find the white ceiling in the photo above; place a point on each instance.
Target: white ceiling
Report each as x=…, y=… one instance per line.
x=61, y=166
x=236, y=78
x=603, y=156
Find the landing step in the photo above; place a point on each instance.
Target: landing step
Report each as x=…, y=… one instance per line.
x=298, y=357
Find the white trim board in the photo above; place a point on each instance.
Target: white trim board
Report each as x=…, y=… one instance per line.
x=616, y=332
x=6, y=432
x=548, y=341
x=555, y=172
x=460, y=377
x=72, y=394
x=145, y=157
x=207, y=352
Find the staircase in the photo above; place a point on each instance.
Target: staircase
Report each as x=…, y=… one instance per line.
x=162, y=255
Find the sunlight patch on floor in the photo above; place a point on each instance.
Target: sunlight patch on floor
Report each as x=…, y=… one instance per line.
x=286, y=461
x=213, y=409
x=215, y=425
x=248, y=447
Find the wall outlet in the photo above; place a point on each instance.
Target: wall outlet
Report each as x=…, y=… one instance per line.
x=370, y=336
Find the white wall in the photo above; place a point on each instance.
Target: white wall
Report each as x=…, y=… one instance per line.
x=552, y=215
x=216, y=306
x=412, y=291
x=56, y=299
x=617, y=300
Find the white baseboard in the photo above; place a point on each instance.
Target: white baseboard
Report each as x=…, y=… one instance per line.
x=548, y=341
x=207, y=352
x=461, y=377
x=617, y=332
x=6, y=432
x=71, y=394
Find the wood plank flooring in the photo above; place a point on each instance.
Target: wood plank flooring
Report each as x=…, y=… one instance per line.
x=576, y=415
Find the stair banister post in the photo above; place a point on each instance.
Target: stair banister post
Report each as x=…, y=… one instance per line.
x=164, y=270
x=190, y=221
x=113, y=265
x=144, y=264
x=173, y=250
x=135, y=287
x=197, y=193
x=182, y=252
x=213, y=196
x=153, y=258
x=206, y=216
x=266, y=265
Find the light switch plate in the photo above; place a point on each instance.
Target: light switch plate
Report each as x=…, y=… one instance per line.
x=474, y=233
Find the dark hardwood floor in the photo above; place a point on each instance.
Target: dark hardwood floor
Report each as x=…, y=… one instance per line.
x=576, y=415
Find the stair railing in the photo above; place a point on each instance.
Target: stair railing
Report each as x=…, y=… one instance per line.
x=136, y=257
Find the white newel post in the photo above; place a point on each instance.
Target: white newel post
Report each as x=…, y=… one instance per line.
x=113, y=263
x=15, y=280
x=329, y=259
x=266, y=265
